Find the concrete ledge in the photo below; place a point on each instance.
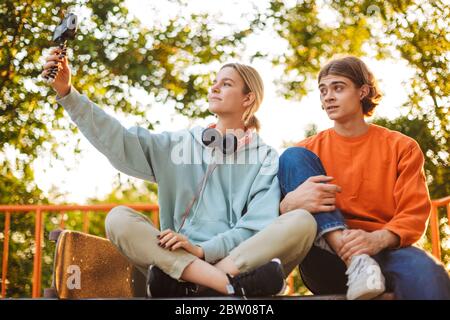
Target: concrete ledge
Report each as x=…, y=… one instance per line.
x=385, y=296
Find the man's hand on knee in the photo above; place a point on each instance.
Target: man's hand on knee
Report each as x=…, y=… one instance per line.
x=314, y=195
x=357, y=241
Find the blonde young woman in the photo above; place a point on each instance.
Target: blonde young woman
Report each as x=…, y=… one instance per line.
x=218, y=193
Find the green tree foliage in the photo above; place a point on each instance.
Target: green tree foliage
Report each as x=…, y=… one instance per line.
x=112, y=55
x=416, y=31
x=21, y=244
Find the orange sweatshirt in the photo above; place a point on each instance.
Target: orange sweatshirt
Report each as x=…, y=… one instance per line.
x=382, y=179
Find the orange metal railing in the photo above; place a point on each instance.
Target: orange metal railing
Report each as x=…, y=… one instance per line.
x=434, y=224
x=39, y=211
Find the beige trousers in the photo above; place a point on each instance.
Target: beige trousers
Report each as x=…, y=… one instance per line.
x=288, y=238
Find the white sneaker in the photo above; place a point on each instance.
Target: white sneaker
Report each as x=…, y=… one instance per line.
x=365, y=280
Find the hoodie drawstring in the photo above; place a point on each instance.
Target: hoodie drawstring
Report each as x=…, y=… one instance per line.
x=198, y=194
x=230, y=197
x=208, y=173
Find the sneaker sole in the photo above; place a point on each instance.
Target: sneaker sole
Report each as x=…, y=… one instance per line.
x=282, y=289
x=284, y=280
x=149, y=293
x=368, y=296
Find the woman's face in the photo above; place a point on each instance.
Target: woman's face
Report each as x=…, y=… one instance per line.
x=340, y=98
x=226, y=95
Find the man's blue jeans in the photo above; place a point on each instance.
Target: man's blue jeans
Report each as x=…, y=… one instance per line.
x=410, y=272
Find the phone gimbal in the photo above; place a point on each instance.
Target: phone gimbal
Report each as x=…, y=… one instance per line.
x=66, y=30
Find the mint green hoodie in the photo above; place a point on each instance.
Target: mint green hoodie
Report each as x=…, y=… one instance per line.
x=240, y=197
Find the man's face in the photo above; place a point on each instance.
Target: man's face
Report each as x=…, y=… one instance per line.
x=340, y=98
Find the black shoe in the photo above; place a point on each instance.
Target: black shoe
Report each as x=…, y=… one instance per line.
x=161, y=285
x=208, y=292
x=267, y=280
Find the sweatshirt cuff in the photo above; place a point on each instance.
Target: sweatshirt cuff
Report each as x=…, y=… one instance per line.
x=213, y=250
x=70, y=101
